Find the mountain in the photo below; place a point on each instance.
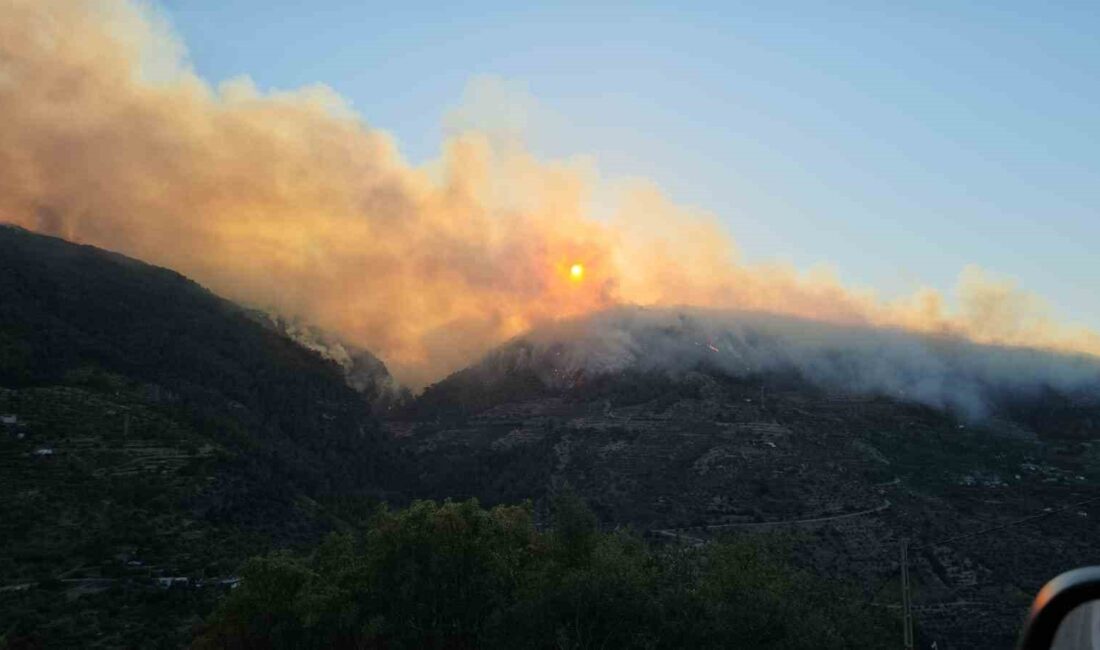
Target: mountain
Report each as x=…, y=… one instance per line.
x=153, y=436
x=150, y=429
x=693, y=426
x=967, y=380
x=363, y=371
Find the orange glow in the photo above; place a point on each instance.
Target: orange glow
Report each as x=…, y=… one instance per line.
x=290, y=202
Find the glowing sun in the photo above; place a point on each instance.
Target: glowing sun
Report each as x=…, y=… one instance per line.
x=576, y=271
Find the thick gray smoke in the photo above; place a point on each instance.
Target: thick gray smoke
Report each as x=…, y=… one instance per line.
x=948, y=373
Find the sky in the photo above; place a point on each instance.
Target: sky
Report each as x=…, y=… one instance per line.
x=894, y=142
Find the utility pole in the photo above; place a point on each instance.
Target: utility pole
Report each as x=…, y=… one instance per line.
x=906, y=601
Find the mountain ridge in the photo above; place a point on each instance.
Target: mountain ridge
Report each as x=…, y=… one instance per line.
x=968, y=380
x=153, y=430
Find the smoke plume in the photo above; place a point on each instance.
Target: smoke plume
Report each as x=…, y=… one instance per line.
x=288, y=200
x=943, y=372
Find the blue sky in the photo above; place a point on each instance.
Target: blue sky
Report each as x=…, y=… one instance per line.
x=895, y=142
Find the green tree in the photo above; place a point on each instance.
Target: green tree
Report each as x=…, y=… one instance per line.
x=455, y=575
x=575, y=527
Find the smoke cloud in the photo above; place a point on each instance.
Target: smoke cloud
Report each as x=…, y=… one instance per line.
x=288, y=200
x=946, y=373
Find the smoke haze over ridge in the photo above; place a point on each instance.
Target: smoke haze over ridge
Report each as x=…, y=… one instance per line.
x=289, y=200
x=947, y=373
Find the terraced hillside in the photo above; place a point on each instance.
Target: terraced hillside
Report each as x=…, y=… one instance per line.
x=103, y=499
x=153, y=436
x=847, y=478
x=150, y=430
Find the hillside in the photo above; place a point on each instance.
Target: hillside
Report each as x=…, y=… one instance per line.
x=154, y=436
x=697, y=452
x=363, y=372
x=150, y=430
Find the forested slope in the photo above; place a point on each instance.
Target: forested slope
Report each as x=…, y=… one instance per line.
x=152, y=429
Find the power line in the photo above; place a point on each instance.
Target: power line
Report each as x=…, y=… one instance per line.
x=1017, y=522
x=906, y=599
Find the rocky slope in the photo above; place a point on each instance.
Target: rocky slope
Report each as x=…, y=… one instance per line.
x=993, y=506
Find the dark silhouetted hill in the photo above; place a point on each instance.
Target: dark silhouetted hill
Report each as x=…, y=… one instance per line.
x=152, y=429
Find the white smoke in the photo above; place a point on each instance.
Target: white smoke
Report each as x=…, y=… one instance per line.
x=944, y=372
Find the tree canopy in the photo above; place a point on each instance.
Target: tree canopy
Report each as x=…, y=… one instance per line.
x=456, y=575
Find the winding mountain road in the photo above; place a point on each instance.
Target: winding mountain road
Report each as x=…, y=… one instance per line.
x=698, y=541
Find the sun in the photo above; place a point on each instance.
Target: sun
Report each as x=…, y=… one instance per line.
x=576, y=271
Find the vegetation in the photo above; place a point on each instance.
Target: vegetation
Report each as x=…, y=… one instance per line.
x=456, y=575
x=71, y=312
x=153, y=430
x=153, y=433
